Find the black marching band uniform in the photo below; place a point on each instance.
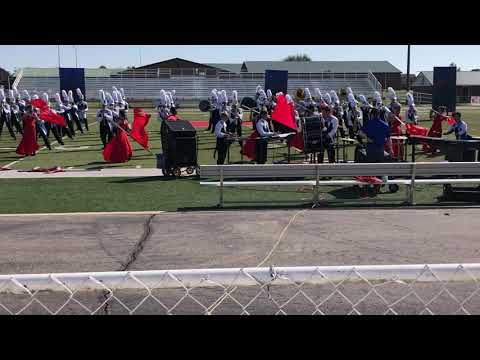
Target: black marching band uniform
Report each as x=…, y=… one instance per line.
x=82, y=108
x=264, y=132
x=105, y=119
x=5, y=114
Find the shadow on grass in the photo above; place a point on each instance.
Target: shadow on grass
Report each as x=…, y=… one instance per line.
x=142, y=179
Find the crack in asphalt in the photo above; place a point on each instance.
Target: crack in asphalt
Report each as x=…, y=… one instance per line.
x=133, y=255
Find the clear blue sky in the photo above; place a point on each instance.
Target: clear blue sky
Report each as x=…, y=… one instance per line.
x=423, y=57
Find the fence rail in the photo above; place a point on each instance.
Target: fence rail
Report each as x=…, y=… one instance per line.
x=367, y=289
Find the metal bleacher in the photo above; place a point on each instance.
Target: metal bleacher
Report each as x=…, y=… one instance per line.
x=148, y=85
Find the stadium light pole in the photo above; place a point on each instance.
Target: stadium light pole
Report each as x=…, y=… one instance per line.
x=58, y=54
x=408, y=68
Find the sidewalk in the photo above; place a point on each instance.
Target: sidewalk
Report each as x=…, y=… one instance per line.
x=23, y=174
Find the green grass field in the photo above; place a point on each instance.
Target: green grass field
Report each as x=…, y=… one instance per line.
x=137, y=194
x=85, y=151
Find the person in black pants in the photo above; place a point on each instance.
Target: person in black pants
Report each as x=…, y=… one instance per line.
x=222, y=138
x=264, y=132
x=104, y=117
x=329, y=133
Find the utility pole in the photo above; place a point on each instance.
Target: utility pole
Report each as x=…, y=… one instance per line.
x=58, y=53
x=408, y=68
x=140, y=54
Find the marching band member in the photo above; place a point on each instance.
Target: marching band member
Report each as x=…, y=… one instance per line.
x=126, y=105
x=40, y=128
x=329, y=132
x=104, y=118
x=82, y=106
x=119, y=149
x=162, y=110
x=66, y=107
x=352, y=116
x=235, y=118
x=460, y=128
x=60, y=109
x=377, y=100
x=411, y=114
x=215, y=110
x=5, y=115
x=15, y=112
x=270, y=103
x=74, y=111
x=28, y=146
x=393, y=98
x=377, y=131
x=364, y=108
x=222, y=136
x=337, y=111
x=263, y=129
x=50, y=126
x=394, y=120
x=436, y=129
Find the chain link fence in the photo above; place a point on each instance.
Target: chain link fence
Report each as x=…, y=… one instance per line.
x=390, y=289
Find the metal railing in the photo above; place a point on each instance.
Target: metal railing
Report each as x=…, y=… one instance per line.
x=366, y=289
x=375, y=83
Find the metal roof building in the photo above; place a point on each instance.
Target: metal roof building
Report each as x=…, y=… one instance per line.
x=468, y=84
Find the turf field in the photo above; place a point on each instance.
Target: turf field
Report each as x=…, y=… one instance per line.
x=123, y=194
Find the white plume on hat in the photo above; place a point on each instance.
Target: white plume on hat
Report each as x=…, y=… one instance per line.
x=110, y=100
x=349, y=90
x=163, y=98
x=308, y=96
x=410, y=99
x=70, y=96
x=258, y=89
x=64, y=95
x=318, y=94
x=363, y=99
x=289, y=99
x=235, y=97
x=173, y=92
x=123, y=93
x=11, y=95
x=2, y=95
x=35, y=97
x=114, y=88
x=327, y=98
x=334, y=96
x=115, y=97
x=269, y=93
x=26, y=95
x=58, y=99
x=79, y=94
x=17, y=94
x=45, y=97
x=351, y=99
x=378, y=99
x=102, y=96
x=391, y=94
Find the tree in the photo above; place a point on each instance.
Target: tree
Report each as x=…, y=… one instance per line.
x=102, y=67
x=298, y=57
x=475, y=69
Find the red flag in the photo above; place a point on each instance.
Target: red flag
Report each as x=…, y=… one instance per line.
x=140, y=121
x=451, y=121
x=416, y=130
x=296, y=141
x=250, y=146
x=283, y=113
x=46, y=114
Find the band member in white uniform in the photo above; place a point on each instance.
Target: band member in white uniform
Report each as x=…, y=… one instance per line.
x=5, y=115
x=54, y=128
x=263, y=129
x=222, y=136
x=82, y=106
x=105, y=119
